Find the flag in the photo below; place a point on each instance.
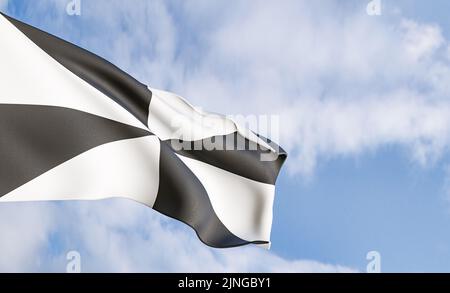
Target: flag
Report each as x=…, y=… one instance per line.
x=75, y=127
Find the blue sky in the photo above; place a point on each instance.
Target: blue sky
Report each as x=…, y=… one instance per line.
x=365, y=114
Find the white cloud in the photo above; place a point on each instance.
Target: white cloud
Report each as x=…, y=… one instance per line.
x=145, y=241
x=25, y=230
x=343, y=83
x=3, y=4
x=122, y=236
x=421, y=40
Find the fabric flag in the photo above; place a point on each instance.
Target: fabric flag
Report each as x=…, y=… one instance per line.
x=75, y=127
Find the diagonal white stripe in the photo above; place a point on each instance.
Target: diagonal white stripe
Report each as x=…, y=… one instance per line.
x=244, y=206
x=127, y=168
x=30, y=76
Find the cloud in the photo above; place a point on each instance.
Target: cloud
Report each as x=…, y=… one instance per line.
x=421, y=40
x=118, y=235
x=3, y=4
x=343, y=83
x=25, y=230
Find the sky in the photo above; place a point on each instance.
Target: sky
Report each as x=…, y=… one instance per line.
x=364, y=107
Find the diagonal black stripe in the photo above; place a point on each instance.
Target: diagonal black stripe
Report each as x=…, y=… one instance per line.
x=101, y=74
x=182, y=196
x=238, y=155
x=35, y=139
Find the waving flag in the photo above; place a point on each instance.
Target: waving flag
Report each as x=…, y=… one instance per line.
x=75, y=127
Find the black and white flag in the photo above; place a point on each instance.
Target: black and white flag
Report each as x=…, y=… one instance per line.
x=75, y=127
